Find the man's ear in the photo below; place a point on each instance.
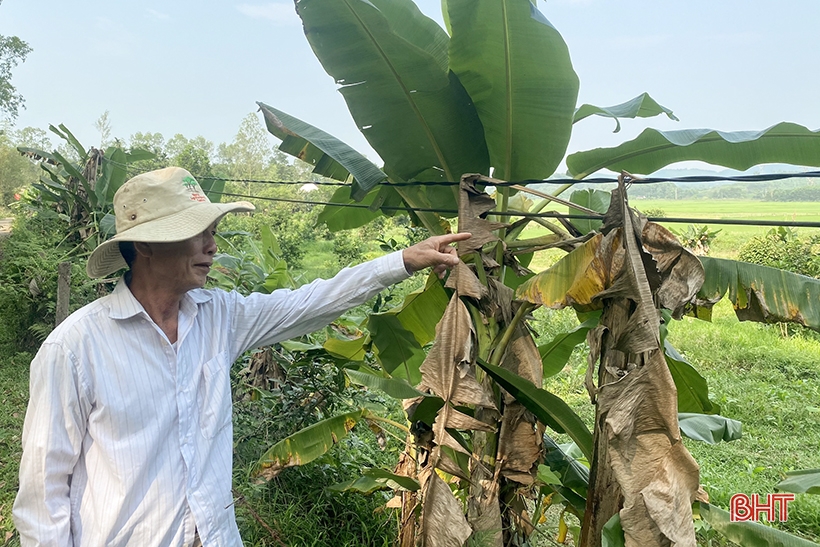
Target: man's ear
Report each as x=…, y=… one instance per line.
x=143, y=249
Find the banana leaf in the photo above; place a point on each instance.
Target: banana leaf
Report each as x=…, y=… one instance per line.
x=306, y=445
x=556, y=353
x=549, y=409
x=693, y=391
x=642, y=106
x=709, y=428
x=652, y=149
x=389, y=60
x=339, y=217
x=759, y=293
x=329, y=156
x=395, y=387
x=597, y=200
x=516, y=67
x=748, y=533
x=376, y=479
x=397, y=349
x=803, y=481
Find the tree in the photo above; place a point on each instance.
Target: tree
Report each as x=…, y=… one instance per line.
x=13, y=51
x=498, y=93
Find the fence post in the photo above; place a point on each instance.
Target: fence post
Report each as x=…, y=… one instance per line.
x=63, y=290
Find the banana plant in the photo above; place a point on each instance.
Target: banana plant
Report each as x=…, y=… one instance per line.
x=495, y=93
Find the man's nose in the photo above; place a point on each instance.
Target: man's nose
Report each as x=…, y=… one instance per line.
x=210, y=243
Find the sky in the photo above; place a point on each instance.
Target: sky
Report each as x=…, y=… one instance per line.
x=198, y=67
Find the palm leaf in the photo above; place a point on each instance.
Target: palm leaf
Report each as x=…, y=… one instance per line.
x=653, y=149
x=517, y=70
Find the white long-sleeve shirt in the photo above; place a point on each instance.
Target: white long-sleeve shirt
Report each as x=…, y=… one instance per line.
x=128, y=438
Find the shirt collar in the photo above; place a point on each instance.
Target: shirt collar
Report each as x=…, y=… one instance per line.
x=123, y=304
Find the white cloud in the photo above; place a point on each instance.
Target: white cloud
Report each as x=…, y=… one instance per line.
x=158, y=15
x=279, y=13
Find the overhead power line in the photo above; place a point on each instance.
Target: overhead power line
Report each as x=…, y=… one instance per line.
x=674, y=220
x=768, y=177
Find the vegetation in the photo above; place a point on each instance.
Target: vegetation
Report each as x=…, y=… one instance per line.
x=13, y=51
x=470, y=465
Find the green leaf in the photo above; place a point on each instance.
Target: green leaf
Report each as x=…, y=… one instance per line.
x=642, y=106
x=389, y=59
x=398, y=351
x=693, y=392
x=709, y=428
x=67, y=136
x=653, y=149
x=759, y=293
x=352, y=350
x=803, y=481
x=517, y=70
x=329, y=156
x=573, y=474
x=339, y=217
x=377, y=479
x=597, y=200
x=140, y=154
x=113, y=175
x=612, y=534
x=213, y=188
x=422, y=309
x=556, y=353
x=749, y=533
x=548, y=408
x=306, y=445
x=395, y=387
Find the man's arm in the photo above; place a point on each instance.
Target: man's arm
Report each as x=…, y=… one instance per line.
x=265, y=319
x=53, y=433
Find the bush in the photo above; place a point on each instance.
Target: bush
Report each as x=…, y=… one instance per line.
x=28, y=280
x=784, y=249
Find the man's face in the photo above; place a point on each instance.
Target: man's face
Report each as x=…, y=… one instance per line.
x=184, y=265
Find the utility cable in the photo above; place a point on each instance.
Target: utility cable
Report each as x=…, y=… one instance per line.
x=597, y=180
x=556, y=215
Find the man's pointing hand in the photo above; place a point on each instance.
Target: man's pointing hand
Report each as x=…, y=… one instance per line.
x=434, y=252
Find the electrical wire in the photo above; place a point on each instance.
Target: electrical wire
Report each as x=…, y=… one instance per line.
x=768, y=177
x=555, y=215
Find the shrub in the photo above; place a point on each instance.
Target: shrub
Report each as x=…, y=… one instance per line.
x=28, y=279
x=784, y=249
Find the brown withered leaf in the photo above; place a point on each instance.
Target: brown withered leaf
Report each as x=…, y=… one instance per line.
x=638, y=433
x=522, y=358
x=681, y=271
x=484, y=512
x=473, y=206
x=657, y=475
x=465, y=282
x=447, y=370
x=442, y=523
x=453, y=419
x=520, y=444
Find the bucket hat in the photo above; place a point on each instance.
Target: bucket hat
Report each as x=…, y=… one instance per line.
x=159, y=206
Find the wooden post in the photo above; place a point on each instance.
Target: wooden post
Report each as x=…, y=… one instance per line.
x=63, y=290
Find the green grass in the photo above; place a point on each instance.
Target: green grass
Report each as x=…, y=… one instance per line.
x=13, y=400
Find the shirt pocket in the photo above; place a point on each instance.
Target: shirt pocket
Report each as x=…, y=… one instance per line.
x=215, y=395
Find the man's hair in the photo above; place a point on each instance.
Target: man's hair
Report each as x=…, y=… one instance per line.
x=128, y=252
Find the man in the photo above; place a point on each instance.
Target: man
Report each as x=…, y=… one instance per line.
x=127, y=438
